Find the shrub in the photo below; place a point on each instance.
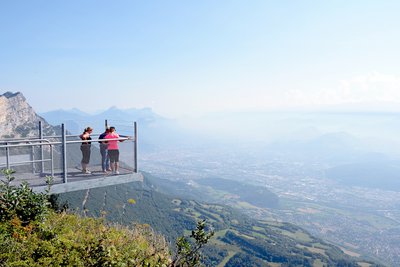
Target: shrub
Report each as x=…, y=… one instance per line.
x=20, y=201
x=70, y=240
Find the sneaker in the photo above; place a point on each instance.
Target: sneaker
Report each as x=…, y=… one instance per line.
x=116, y=172
x=86, y=172
x=109, y=169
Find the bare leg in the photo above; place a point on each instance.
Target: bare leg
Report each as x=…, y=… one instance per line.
x=112, y=165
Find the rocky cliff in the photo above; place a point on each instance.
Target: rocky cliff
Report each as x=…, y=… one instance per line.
x=18, y=119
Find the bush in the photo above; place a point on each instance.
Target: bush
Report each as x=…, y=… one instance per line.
x=32, y=234
x=20, y=201
x=70, y=240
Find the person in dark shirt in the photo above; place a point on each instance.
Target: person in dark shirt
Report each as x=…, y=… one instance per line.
x=105, y=159
x=85, y=148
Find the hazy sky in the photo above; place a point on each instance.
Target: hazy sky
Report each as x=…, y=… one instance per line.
x=192, y=57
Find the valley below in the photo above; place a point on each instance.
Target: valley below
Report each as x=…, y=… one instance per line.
x=362, y=221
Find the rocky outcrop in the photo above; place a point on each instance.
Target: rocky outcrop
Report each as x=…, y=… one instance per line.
x=18, y=119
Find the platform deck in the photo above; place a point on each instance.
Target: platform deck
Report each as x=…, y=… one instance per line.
x=76, y=180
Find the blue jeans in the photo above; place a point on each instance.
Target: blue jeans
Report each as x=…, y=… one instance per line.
x=105, y=159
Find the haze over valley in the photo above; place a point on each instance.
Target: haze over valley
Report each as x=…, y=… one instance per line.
x=330, y=173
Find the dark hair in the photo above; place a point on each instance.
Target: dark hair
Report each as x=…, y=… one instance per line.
x=87, y=129
x=112, y=128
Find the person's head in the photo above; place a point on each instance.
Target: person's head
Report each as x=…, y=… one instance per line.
x=88, y=130
x=112, y=129
x=107, y=129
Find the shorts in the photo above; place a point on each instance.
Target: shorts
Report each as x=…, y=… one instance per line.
x=85, y=153
x=114, y=155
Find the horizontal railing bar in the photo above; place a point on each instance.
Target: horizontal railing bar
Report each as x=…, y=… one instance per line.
x=5, y=140
x=16, y=140
x=28, y=145
x=100, y=140
x=24, y=162
x=70, y=142
x=26, y=140
x=8, y=140
x=68, y=135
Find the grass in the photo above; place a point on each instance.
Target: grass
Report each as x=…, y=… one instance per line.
x=260, y=235
x=192, y=213
x=257, y=228
x=227, y=258
x=272, y=223
x=364, y=264
x=318, y=263
x=349, y=252
x=319, y=245
x=274, y=264
x=245, y=205
x=299, y=235
x=216, y=215
x=240, y=234
x=220, y=233
x=313, y=249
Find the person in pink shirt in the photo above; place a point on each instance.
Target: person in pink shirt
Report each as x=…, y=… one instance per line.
x=113, y=150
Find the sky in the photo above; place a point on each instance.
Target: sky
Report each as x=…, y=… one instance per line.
x=188, y=58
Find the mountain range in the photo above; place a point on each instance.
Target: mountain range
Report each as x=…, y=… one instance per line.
x=154, y=130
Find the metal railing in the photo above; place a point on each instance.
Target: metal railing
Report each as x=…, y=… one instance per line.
x=29, y=143
x=51, y=142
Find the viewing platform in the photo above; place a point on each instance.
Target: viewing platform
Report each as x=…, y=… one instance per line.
x=36, y=158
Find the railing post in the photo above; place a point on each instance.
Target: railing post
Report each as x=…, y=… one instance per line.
x=52, y=160
x=7, y=156
x=41, y=147
x=64, y=153
x=33, y=159
x=105, y=124
x=135, y=146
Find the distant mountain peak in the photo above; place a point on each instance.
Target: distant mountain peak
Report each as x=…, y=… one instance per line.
x=18, y=119
x=11, y=95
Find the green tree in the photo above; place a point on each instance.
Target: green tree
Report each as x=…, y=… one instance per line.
x=188, y=253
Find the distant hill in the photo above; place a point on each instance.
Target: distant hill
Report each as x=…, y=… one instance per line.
x=239, y=239
x=377, y=174
x=71, y=118
x=76, y=119
x=154, y=130
x=334, y=148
